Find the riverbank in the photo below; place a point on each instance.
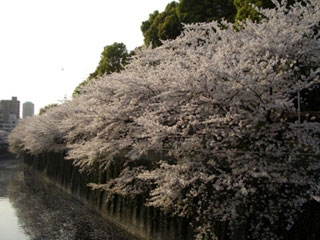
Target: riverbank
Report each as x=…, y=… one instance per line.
x=130, y=214
x=34, y=209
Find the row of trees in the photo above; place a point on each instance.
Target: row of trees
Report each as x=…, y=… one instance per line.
x=169, y=25
x=220, y=104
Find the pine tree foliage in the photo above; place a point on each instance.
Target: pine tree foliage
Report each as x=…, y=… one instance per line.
x=220, y=105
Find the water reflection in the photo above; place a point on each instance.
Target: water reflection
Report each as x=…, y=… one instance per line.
x=10, y=228
x=9, y=223
x=44, y=211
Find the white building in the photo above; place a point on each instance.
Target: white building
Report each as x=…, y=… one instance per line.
x=27, y=110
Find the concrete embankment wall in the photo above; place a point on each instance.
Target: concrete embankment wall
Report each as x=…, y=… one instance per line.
x=130, y=214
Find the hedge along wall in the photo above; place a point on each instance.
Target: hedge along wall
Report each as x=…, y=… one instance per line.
x=129, y=214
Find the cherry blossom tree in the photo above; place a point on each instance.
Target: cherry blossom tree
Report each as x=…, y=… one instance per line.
x=220, y=107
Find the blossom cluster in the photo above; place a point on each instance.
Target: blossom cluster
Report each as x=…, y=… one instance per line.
x=218, y=110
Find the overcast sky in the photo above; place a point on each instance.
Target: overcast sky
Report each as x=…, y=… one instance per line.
x=47, y=47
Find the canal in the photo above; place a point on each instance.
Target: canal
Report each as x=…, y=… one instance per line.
x=32, y=208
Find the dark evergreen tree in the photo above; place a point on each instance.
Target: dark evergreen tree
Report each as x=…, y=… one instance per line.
x=162, y=26
x=245, y=10
x=168, y=24
x=192, y=11
x=113, y=59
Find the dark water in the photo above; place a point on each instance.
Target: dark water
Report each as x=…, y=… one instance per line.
x=34, y=209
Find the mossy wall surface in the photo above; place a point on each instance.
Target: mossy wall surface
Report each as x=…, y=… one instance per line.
x=129, y=214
